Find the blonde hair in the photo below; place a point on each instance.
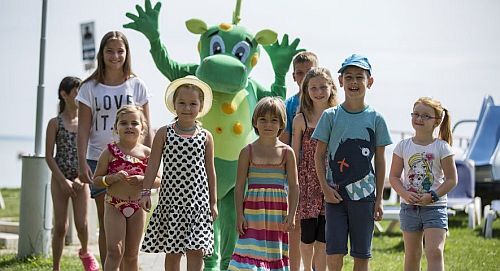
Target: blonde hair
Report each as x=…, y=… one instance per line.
x=126, y=109
x=443, y=118
x=306, y=103
x=273, y=106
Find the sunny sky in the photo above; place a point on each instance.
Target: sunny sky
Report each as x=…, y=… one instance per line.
x=447, y=49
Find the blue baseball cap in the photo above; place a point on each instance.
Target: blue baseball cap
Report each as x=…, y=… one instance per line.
x=358, y=61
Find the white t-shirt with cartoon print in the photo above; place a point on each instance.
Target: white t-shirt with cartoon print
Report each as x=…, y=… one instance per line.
x=104, y=101
x=422, y=166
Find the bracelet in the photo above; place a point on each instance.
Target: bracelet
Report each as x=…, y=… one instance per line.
x=103, y=180
x=146, y=193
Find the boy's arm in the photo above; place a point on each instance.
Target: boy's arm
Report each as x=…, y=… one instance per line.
x=379, y=181
x=331, y=195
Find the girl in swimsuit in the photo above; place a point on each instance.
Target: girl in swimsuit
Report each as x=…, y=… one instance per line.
x=120, y=170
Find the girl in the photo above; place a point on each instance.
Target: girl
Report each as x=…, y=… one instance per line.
x=264, y=218
x=182, y=221
x=121, y=170
x=318, y=92
x=61, y=133
x=111, y=86
x=429, y=174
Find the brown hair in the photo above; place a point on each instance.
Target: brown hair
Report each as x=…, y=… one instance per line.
x=305, y=56
x=98, y=74
x=306, y=103
x=443, y=117
x=273, y=106
x=67, y=85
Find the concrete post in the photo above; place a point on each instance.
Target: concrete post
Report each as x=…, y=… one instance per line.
x=35, y=221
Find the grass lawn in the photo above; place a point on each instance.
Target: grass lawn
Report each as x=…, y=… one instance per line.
x=465, y=249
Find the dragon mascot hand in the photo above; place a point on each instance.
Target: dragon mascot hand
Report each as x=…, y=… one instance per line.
x=228, y=52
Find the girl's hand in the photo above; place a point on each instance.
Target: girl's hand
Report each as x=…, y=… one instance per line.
x=332, y=196
x=214, y=211
x=135, y=180
x=411, y=197
x=120, y=176
x=85, y=173
x=67, y=187
x=425, y=199
x=289, y=223
x=145, y=203
x=77, y=185
x=241, y=224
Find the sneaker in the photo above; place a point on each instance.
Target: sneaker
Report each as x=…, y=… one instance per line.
x=89, y=261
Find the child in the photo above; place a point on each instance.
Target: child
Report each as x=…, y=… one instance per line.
x=111, y=86
x=262, y=218
x=352, y=132
x=61, y=133
x=430, y=173
x=182, y=222
x=317, y=93
x=302, y=63
x=121, y=170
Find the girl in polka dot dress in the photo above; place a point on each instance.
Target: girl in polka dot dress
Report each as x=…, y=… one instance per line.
x=182, y=222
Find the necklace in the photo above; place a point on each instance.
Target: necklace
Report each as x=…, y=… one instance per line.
x=186, y=130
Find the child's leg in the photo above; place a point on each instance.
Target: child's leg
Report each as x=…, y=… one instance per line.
x=434, y=247
x=336, y=234
x=135, y=226
x=194, y=260
x=116, y=226
x=361, y=224
x=319, y=256
x=60, y=203
x=294, y=247
x=80, y=209
x=360, y=264
x=173, y=261
x=99, y=203
x=307, y=238
x=413, y=250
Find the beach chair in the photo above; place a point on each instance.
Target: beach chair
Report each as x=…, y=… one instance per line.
x=462, y=198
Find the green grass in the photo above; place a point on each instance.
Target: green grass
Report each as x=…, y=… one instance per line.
x=465, y=249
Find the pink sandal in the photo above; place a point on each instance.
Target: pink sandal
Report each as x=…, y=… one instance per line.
x=89, y=261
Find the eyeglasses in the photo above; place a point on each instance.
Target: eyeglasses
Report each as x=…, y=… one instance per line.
x=423, y=117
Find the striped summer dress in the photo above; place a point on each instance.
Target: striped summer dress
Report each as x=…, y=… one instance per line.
x=264, y=246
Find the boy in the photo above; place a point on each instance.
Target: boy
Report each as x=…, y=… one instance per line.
x=302, y=63
x=352, y=133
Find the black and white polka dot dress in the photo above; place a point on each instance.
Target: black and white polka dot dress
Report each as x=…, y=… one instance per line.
x=182, y=220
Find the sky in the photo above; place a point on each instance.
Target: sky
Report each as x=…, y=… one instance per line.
x=446, y=49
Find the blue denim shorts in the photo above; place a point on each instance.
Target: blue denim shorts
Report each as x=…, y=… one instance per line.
x=419, y=218
x=94, y=191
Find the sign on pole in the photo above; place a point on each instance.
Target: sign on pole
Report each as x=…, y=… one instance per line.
x=88, y=44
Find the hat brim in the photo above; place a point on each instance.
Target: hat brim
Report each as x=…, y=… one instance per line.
x=355, y=65
x=193, y=80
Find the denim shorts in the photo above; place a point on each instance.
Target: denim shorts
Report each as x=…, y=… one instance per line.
x=353, y=219
x=418, y=218
x=94, y=191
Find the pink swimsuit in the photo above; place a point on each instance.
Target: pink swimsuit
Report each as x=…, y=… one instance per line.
x=132, y=166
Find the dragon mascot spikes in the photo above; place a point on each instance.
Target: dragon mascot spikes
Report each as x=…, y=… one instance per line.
x=228, y=53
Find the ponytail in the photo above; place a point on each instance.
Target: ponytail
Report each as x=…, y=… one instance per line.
x=67, y=84
x=444, y=129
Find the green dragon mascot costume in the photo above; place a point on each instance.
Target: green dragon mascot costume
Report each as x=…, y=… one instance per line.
x=228, y=52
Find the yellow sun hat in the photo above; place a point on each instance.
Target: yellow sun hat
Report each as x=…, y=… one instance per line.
x=193, y=80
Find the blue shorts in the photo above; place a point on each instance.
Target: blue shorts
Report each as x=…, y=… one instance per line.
x=419, y=218
x=94, y=191
x=353, y=219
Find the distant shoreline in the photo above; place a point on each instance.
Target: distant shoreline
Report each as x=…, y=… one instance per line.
x=16, y=138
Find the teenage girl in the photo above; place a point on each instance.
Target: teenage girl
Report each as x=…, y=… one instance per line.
x=121, y=170
x=182, y=222
x=429, y=174
x=111, y=86
x=267, y=212
x=61, y=133
x=318, y=92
